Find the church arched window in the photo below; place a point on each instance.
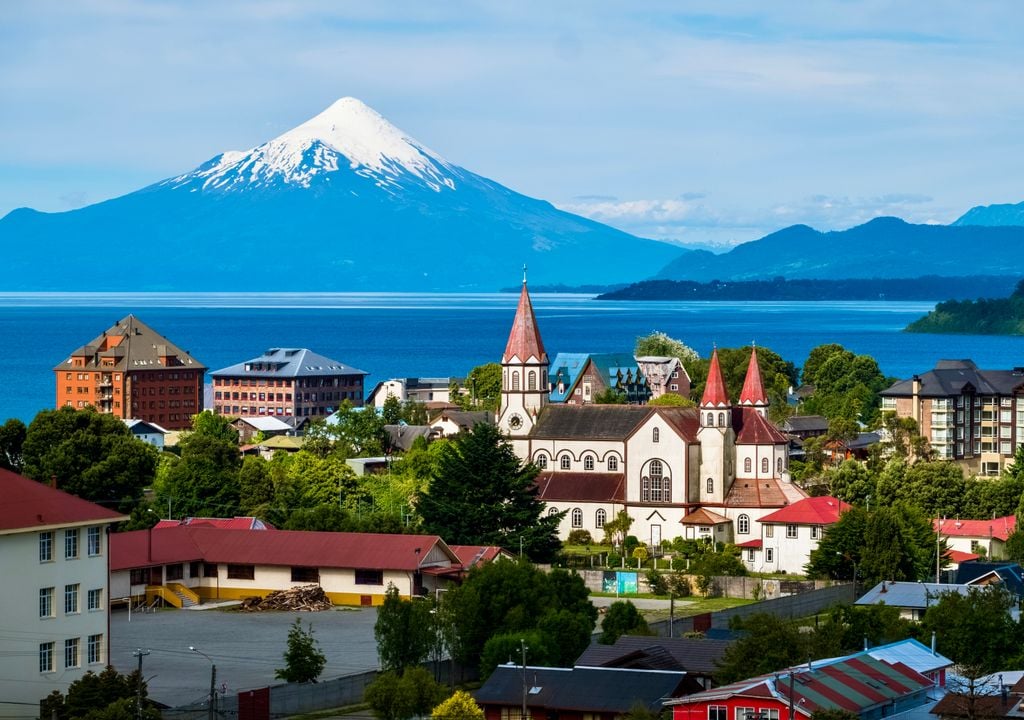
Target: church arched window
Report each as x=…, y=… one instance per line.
x=764, y=466
x=711, y=419
x=613, y=464
x=552, y=511
x=721, y=419
x=541, y=461
x=599, y=518
x=778, y=465
x=577, y=518
x=531, y=382
x=743, y=525
x=747, y=465
x=710, y=485
x=515, y=379
x=565, y=461
x=588, y=462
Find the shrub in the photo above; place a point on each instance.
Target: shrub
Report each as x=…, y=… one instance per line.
x=614, y=560
x=657, y=582
x=580, y=537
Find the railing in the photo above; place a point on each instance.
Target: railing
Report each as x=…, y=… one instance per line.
x=180, y=590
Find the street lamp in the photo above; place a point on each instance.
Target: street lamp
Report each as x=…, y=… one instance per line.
x=213, y=680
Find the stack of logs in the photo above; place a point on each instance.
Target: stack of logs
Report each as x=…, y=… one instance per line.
x=308, y=598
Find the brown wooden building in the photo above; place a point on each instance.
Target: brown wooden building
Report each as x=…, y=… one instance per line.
x=131, y=371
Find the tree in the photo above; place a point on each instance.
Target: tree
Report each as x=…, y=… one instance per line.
x=616, y=529
x=460, y=706
x=777, y=374
x=12, y=439
x=661, y=345
x=851, y=482
x=405, y=631
x=622, y=618
x=204, y=482
x=769, y=644
x=848, y=627
x=303, y=658
x=255, y=488
x=91, y=455
x=482, y=494
x=481, y=390
x=846, y=386
x=107, y=695
x=610, y=396
x=975, y=629
x=396, y=697
x=671, y=400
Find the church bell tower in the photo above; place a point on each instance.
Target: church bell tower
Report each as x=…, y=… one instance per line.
x=524, y=372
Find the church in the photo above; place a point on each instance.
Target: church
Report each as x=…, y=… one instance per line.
x=707, y=472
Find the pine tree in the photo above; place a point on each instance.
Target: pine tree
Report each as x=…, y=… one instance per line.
x=303, y=659
x=482, y=494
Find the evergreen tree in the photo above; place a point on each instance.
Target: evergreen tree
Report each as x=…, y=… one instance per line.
x=303, y=658
x=482, y=494
x=12, y=439
x=622, y=618
x=405, y=631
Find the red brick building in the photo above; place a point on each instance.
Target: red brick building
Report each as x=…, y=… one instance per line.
x=132, y=371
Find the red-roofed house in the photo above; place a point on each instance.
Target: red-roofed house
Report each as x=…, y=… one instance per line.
x=235, y=523
x=55, y=598
x=789, y=535
x=197, y=562
x=977, y=537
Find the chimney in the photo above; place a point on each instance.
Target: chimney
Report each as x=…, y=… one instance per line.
x=933, y=643
x=53, y=481
x=915, y=390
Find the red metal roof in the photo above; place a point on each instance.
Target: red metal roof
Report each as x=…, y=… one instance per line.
x=703, y=516
x=28, y=505
x=753, y=389
x=756, y=544
x=823, y=510
x=999, y=528
x=524, y=341
x=581, y=486
x=754, y=429
x=959, y=556
x=235, y=523
x=714, y=391
x=472, y=555
x=142, y=548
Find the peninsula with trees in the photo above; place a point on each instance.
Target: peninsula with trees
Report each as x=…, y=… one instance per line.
x=985, y=316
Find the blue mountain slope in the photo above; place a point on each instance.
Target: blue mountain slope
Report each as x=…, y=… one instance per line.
x=344, y=202
x=993, y=215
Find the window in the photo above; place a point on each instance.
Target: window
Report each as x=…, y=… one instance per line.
x=791, y=531
x=744, y=713
x=710, y=485
x=241, y=572
x=515, y=379
x=94, y=545
x=599, y=518
x=747, y=465
x=769, y=555
x=45, y=547
x=94, y=649
x=769, y=714
x=369, y=577
x=138, y=577
x=711, y=419
x=531, y=382
x=764, y=466
x=588, y=462
x=564, y=462
x=673, y=387
x=71, y=598
x=750, y=555
x=743, y=525
x=46, y=657
x=542, y=461
x=306, y=574
x=194, y=568
x=94, y=599
x=655, y=434
x=815, y=532
x=769, y=530
x=71, y=659
x=778, y=466
x=552, y=511
x=613, y=464
x=46, y=602
x=577, y=518
x=718, y=712
x=175, y=572
x=721, y=419
x=71, y=544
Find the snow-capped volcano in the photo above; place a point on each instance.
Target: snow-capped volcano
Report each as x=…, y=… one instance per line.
x=343, y=202
x=348, y=134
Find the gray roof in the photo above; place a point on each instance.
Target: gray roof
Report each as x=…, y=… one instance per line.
x=592, y=422
x=466, y=419
x=287, y=363
x=805, y=423
x=695, y=656
x=402, y=436
x=586, y=689
x=951, y=377
x=130, y=345
x=909, y=594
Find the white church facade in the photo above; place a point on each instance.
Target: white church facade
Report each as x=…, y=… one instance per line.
x=711, y=471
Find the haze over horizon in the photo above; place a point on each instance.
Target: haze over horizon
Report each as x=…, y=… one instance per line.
x=691, y=123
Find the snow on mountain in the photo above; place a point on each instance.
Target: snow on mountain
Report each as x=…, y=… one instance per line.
x=348, y=134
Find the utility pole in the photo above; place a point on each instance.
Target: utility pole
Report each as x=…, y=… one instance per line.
x=522, y=644
x=213, y=692
x=139, y=653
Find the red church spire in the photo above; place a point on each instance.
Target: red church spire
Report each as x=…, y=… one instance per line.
x=524, y=341
x=714, y=391
x=753, y=388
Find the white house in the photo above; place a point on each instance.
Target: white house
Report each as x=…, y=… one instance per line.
x=421, y=390
x=55, y=594
x=976, y=537
x=788, y=536
x=148, y=432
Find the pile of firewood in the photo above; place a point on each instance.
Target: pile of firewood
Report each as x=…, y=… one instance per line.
x=307, y=598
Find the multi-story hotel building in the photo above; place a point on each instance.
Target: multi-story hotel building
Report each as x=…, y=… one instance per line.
x=286, y=382
x=132, y=371
x=972, y=416
x=55, y=598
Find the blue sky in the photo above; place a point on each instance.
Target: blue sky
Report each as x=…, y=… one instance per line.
x=694, y=121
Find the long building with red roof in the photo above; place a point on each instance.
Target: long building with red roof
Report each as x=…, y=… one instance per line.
x=55, y=598
x=669, y=468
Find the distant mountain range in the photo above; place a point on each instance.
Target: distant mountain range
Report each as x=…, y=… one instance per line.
x=992, y=215
x=885, y=247
x=343, y=202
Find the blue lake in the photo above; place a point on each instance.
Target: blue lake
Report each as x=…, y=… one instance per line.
x=430, y=335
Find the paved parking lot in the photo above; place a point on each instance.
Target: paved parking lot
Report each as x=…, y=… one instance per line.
x=246, y=647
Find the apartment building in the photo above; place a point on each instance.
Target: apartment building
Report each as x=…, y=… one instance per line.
x=972, y=416
x=132, y=371
x=286, y=382
x=55, y=622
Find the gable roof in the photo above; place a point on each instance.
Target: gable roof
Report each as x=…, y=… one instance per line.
x=581, y=486
x=823, y=510
x=763, y=493
x=953, y=377
x=695, y=656
x=753, y=387
x=1000, y=528
x=287, y=363
x=235, y=523
x=714, y=389
x=590, y=422
x=266, y=424
x=585, y=689
x=472, y=555
x=703, y=516
x=754, y=429
x=28, y=505
x=143, y=427
x=129, y=345
x=144, y=548
x=909, y=594
x=524, y=339
x=911, y=653
x=805, y=423
x=566, y=369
